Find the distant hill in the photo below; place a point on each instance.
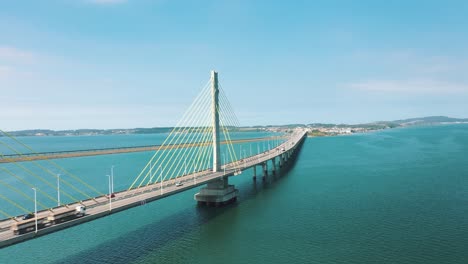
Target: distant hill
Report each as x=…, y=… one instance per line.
x=430, y=120
x=316, y=130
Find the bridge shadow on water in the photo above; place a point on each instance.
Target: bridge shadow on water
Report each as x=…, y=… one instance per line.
x=131, y=246
x=139, y=243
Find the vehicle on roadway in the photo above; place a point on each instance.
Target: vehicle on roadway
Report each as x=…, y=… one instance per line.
x=62, y=216
x=179, y=184
x=59, y=216
x=28, y=216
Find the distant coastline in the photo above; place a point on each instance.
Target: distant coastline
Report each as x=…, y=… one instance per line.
x=314, y=129
x=320, y=130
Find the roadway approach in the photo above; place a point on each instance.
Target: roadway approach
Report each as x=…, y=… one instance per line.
x=103, y=205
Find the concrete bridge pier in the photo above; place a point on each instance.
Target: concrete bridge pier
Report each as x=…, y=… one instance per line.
x=254, y=173
x=217, y=192
x=273, y=169
x=281, y=158
x=265, y=170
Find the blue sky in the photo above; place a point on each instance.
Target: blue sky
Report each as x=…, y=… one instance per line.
x=70, y=64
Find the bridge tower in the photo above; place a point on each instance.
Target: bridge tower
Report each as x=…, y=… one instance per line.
x=215, y=116
x=218, y=191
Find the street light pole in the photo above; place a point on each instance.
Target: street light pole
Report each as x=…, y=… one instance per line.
x=35, y=208
x=110, y=194
x=58, y=189
x=224, y=161
x=244, y=158
x=161, y=179
x=226, y=155
x=258, y=152
x=112, y=178
x=151, y=172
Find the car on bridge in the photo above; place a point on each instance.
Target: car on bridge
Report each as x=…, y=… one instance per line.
x=179, y=184
x=28, y=216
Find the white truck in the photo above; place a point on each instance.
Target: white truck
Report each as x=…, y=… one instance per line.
x=66, y=214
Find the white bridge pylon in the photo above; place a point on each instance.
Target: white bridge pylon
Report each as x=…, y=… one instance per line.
x=209, y=119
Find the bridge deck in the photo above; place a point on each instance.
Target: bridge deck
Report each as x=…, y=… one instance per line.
x=99, y=206
x=107, y=151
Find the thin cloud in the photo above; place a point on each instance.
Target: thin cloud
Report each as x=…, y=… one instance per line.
x=107, y=2
x=408, y=72
x=4, y=71
x=411, y=86
x=412, y=63
x=15, y=64
x=15, y=55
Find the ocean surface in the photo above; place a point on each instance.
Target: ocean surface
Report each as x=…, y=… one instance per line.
x=393, y=196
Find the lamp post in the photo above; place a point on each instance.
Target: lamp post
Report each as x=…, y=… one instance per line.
x=58, y=189
x=244, y=158
x=225, y=153
x=112, y=179
x=258, y=153
x=151, y=171
x=195, y=178
x=110, y=194
x=35, y=208
x=224, y=161
x=161, y=179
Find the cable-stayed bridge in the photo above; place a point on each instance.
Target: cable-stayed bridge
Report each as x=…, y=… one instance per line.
x=192, y=155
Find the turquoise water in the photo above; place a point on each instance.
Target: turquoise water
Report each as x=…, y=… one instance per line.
x=395, y=196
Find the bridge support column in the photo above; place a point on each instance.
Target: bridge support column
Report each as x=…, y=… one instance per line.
x=280, y=160
x=254, y=173
x=265, y=170
x=217, y=192
x=273, y=169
